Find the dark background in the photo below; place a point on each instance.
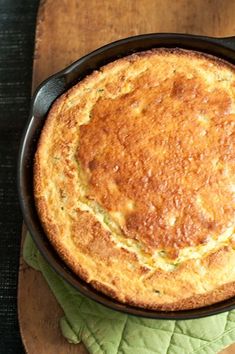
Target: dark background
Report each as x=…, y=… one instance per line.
x=17, y=27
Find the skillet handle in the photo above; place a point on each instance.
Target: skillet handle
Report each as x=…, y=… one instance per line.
x=228, y=41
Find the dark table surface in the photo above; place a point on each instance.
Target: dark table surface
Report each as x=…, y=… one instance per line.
x=17, y=27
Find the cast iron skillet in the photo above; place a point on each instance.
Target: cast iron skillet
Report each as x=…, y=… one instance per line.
x=44, y=96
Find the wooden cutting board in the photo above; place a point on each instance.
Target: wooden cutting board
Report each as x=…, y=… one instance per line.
x=66, y=30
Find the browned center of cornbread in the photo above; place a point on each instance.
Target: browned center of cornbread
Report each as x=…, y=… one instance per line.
x=159, y=160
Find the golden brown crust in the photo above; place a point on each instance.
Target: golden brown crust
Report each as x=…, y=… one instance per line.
x=134, y=179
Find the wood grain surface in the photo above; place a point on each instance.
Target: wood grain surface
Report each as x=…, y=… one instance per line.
x=66, y=30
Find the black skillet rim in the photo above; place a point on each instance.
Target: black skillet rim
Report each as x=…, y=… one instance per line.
x=220, y=47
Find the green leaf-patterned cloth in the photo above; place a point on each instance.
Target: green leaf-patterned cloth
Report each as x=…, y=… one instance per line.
x=104, y=331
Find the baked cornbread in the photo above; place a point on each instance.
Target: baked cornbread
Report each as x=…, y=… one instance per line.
x=134, y=179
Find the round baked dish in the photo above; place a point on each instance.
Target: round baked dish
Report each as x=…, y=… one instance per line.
x=134, y=179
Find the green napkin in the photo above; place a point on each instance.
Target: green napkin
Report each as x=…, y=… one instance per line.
x=104, y=331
